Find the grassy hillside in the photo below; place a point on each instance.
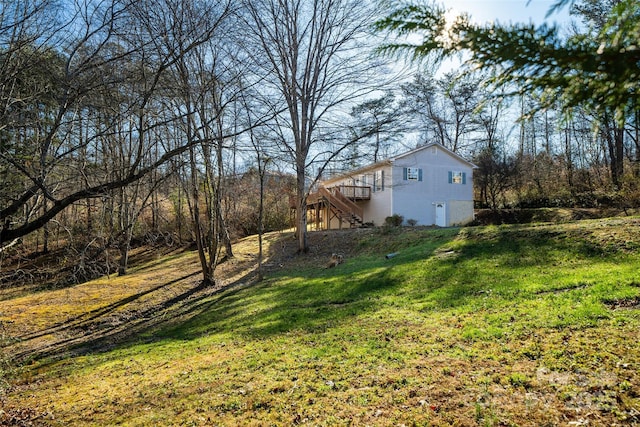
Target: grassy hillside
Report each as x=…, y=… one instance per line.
x=511, y=325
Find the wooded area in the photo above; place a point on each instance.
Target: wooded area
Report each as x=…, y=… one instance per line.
x=196, y=121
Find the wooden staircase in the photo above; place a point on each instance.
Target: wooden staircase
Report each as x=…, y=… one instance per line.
x=339, y=205
x=335, y=204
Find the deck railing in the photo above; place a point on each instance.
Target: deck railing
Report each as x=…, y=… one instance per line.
x=351, y=192
x=355, y=192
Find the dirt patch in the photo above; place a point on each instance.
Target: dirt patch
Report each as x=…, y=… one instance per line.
x=322, y=245
x=624, y=303
x=21, y=417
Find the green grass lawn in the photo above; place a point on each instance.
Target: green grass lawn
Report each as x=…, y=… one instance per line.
x=526, y=325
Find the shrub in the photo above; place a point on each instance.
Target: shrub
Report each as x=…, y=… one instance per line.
x=394, y=220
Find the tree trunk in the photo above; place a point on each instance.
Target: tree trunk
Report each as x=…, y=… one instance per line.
x=569, y=156
x=124, y=257
x=301, y=212
x=45, y=234
x=124, y=247
x=223, y=231
x=261, y=175
x=301, y=226
x=614, y=135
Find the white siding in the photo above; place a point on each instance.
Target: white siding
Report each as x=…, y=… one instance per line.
x=379, y=207
x=460, y=212
x=416, y=199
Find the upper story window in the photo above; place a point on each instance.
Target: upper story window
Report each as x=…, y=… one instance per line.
x=412, y=174
x=456, y=177
x=378, y=180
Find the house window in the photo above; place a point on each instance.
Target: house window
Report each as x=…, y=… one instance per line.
x=378, y=180
x=457, y=177
x=412, y=174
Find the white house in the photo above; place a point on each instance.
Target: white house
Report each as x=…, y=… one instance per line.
x=431, y=185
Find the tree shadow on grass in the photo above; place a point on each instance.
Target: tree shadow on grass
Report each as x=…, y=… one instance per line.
x=309, y=298
x=272, y=308
x=514, y=262
x=95, y=329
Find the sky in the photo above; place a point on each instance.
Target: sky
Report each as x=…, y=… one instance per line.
x=504, y=12
x=508, y=11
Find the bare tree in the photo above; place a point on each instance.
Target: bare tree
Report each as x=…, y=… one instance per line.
x=195, y=93
x=310, y=58
x=96, y=46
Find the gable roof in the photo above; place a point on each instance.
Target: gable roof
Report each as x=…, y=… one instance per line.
x=391, y=160
x=441, y=147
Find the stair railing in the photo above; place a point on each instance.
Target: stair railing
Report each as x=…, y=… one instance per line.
x=352, y=207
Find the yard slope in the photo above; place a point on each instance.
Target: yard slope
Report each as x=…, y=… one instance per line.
x=523, y=325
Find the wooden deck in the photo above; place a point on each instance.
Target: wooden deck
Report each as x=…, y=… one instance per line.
x=336, y=203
